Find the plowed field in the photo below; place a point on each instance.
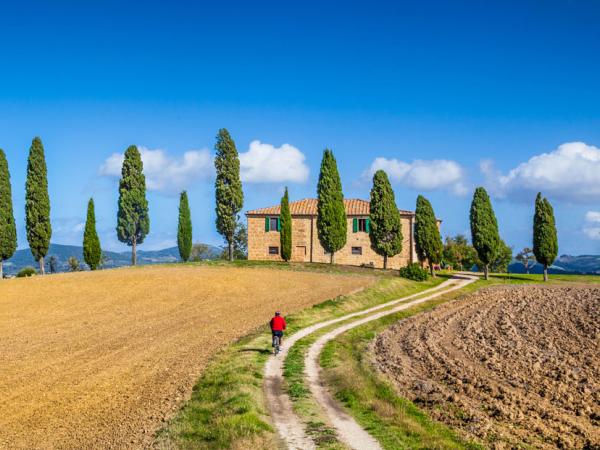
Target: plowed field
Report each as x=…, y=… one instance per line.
x=99, y=360
x=507, y=366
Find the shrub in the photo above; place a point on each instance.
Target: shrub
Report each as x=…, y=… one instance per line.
x=74, y=265
x=414, y=272
x=26, y=272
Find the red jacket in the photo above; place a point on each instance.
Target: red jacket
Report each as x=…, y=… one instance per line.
x=277, y=323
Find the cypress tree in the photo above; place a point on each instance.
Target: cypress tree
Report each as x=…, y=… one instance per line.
x=385, y=227
x=8, y=229
x=545, y=239
x=92, y=253
x=332, y=224
x=428, y=241
x=133, y=221
x=184, y=228
x=228, y=188
x=484, y=229
x=37, y=204
x=285, y=235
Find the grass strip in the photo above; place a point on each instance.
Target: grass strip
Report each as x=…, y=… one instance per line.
x=371, y=399
x=227, y=407
x=309, y=412
x=394, y=421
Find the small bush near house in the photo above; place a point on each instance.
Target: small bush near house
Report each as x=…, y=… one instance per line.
x=26, y=272
x=414, y=272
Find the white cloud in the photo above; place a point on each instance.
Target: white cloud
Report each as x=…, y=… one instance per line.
x=437, y=174
x=262, y=163
x=265, y=163
x=166, y=173
x=570, y=173
x=591, y=227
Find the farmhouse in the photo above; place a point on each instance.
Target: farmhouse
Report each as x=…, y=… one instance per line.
x=264, y=225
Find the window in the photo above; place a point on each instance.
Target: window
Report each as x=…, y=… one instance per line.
x=357, y=250
x=361, y=225
x=272, y=224
x=273, y=250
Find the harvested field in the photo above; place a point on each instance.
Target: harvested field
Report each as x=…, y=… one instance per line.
x=509, y=366
x=99, y=360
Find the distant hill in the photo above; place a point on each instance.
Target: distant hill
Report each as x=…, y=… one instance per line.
x=564, y=264
x=23, y=258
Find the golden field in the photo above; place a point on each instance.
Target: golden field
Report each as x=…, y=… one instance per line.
x=100, y=359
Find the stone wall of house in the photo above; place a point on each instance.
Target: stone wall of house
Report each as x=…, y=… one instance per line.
x=367, y=255
x=260, y=240
x=305, y=228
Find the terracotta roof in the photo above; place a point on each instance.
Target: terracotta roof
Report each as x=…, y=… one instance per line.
x=308, y=207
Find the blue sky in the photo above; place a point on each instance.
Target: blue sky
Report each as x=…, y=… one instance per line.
x=445, y=95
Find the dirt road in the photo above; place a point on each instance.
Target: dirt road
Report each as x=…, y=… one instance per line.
x=289, y=426
x=507, y=365
x=98, y=360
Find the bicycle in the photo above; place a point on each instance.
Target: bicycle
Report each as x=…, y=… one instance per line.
x=276, y=344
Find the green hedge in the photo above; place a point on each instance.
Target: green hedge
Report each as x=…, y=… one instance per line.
x=414, y=272
x=26, y=272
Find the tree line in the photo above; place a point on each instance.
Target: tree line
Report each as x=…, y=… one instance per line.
x=133, y=219
x=385, y=231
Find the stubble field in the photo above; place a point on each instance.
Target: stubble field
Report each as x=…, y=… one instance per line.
x=99, y=360
x=515, y=367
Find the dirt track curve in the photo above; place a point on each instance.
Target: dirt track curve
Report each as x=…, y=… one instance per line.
x=287, y=423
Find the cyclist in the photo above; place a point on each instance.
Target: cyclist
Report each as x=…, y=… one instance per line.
x=277, y=327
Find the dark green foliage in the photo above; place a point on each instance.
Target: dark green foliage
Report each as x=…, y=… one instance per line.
x=545, y=239
x=428, y=241
x=184, y=228
x=484, y=228
x=37, y=203
x=462, y=256
x=26, y=272
x=133, y=221
x=92, y=253
x=331, y=214
x=285, y=233
x=458, y=253
x=8, y=229
x=385, y=227
x=414, y=272
x=502, y=259
x=228, y=188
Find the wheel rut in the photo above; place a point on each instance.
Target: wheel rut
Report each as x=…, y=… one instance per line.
x=289, y=427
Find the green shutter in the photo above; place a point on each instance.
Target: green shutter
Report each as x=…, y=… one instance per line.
x=368, y=224
x=279, y=224
x=266, y=224
x=355, y=225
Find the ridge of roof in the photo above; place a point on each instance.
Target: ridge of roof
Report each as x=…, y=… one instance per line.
x=308, y=207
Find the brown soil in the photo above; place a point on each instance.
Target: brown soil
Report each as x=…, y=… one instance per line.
x=99, y=360
x=511, y=366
